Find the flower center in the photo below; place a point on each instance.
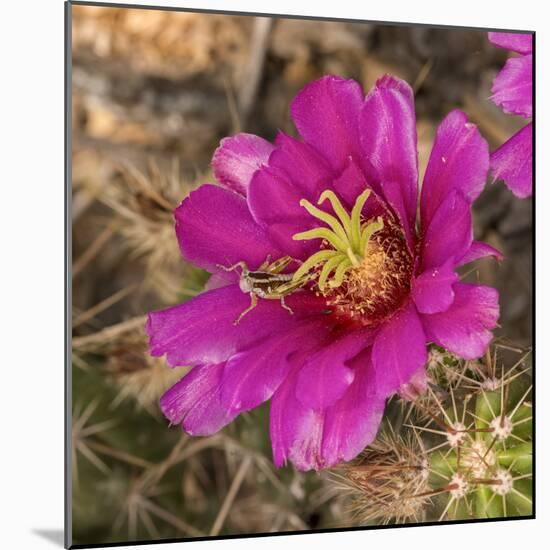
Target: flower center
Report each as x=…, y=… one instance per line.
x=363, y=267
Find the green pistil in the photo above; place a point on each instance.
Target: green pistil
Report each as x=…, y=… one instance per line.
x=348, y=237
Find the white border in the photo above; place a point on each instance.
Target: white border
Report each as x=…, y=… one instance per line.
x=31, y=492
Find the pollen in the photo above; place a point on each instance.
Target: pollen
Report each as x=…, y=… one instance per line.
x=363, y=267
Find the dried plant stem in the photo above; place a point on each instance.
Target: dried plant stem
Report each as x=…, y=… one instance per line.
x=144, y=185
x=160, y=469
x=423, y=74
x=484, y=119
x=251, y=82
x=121, y=455
x=232, y=106
x=231, y=494
x=109, y=333
x=194, y=448
x=171, y=518
x=103, y=305
x=93, y=250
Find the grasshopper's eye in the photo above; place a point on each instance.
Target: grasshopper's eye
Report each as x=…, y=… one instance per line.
x=363, y=267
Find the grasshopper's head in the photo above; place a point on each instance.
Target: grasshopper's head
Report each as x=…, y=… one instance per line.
x=245, y=284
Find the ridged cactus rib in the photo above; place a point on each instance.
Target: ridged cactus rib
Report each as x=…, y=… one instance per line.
x=494, y=458
x=464, y=450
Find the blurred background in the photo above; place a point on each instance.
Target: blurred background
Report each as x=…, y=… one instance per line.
x=153, y=93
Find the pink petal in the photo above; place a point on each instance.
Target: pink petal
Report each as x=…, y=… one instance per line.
x=273, y=198
x=324, y=378
x=450, y=233
x=459, y=161
x=237, y=158
x=399, y=350
x=351, y=183
x=317, y=439
x=250, y=377
x=281, y=235
x=296, y=430
x=388, y=138
x=513, y=162
x=274, y=202
x=417, y=386
x=319, y=386
x=513, y=87
x=520, y=43
x=303, y=165
x=479, y=250
x=214, y=227
x=465, y=328
x=353, y=421
x=217, y=280
x=432, y=290
x=395, y=199
x=194, y=401
x=202, y=330
x=326, y=113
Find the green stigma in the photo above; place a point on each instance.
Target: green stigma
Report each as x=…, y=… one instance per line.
x=348, y=237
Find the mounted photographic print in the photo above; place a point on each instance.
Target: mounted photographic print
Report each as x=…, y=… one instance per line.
x=300, y=256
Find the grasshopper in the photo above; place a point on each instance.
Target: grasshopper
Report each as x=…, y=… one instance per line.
x=267, y=282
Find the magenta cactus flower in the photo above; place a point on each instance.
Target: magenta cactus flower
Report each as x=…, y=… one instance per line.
x=326, y=287
x=513, y=93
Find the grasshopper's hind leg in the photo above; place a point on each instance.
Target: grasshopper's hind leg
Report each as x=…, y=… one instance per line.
x=265, y=263
x=253, y=304
x=283, y=303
